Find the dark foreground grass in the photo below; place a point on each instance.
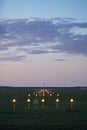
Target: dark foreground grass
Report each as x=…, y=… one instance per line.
x=49, y=118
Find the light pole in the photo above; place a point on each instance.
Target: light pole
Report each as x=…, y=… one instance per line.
x=14, y=103
x=57, y=103
x=29, y=94
x=28, y=101
x=36, y=95
x=50, y=94
x=43, y=101
x=57, y=94
x=71, y=103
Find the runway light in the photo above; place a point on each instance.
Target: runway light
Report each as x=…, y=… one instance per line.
x=33, y=92
x=36, y=94
x=57, y=94
x=43, y=100
x=28, y=100
x=50, y=94
x=71, y=101
x=43, y=94
x=57, y=100
x=29, y=94
x=14, y=103
x=14, y=100
x=57, y=103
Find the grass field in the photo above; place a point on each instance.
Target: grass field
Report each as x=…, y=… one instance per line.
x=49, y=118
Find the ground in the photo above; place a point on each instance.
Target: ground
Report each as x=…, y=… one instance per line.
x=50, y=117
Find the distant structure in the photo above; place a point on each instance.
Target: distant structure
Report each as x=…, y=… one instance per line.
x=44, y=91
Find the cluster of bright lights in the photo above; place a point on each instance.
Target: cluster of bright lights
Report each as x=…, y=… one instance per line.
x=43, y=91
x=42, y=100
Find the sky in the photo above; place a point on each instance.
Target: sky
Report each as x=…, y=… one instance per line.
x=43, y=42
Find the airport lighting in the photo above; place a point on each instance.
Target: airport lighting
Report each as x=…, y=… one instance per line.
x=43, y=101
x=57, y=100
x=14, y=103
x=57, y=94
x=28, y=101
x=57, y=103
x=71, y=103
x=29, y=94
x=50, y=94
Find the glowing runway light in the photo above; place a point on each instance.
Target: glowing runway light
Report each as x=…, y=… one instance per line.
x=43, y=100
x=14, y=103
x=28, y=101
x=57, y=103
x=71, y=103
x=57, y=94
x=29, y=94
x=50, y=94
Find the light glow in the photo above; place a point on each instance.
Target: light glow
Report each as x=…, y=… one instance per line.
x=14, y=100
x=28, y=100
x=71, y=100
x=43, y=100
x=57, y=100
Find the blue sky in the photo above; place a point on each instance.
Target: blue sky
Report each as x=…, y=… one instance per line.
x=43, y=41
x=43, y=8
